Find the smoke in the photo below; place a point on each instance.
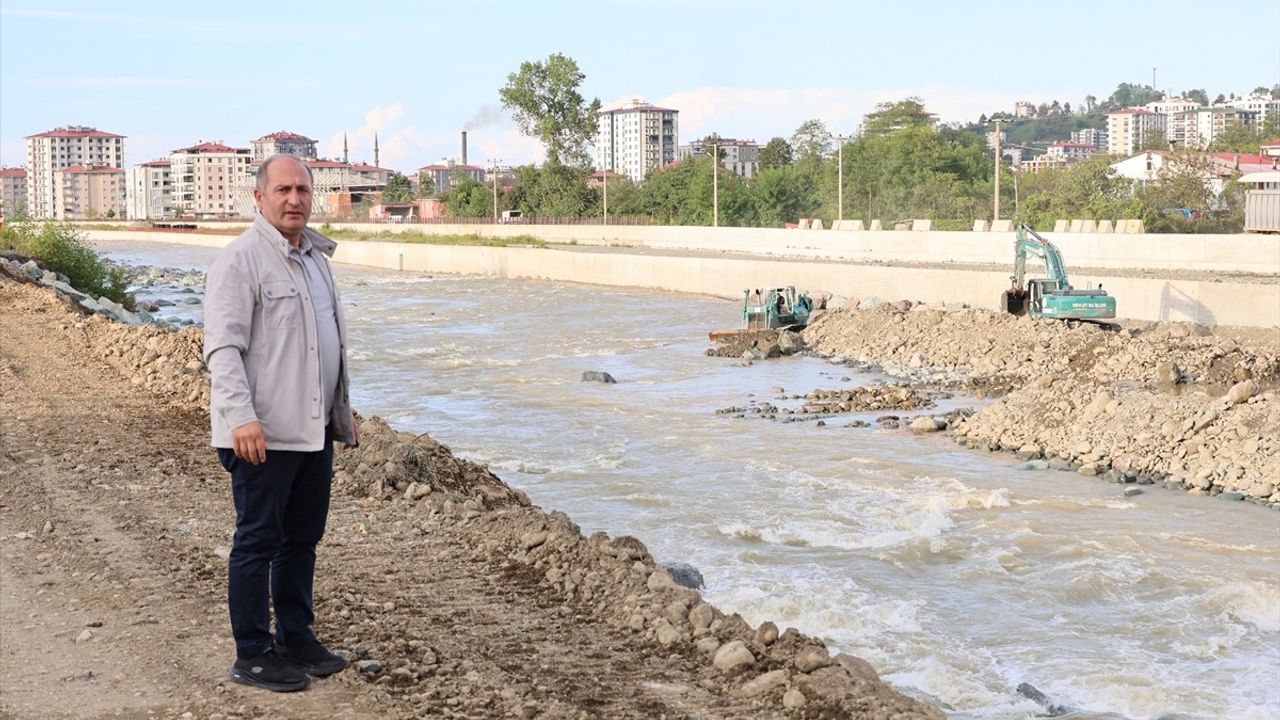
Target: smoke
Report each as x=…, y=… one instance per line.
x=484, y=117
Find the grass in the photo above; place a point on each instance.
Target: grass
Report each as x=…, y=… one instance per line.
x=422, y=238
x=66, y=250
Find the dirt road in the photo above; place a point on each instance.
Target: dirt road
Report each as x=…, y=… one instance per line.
x=454, y=596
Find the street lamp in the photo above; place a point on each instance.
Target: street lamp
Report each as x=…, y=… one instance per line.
x=715, y=185
x=840, y=178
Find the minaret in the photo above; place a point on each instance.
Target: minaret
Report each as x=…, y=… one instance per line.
x=375, y=150
x=344, y=148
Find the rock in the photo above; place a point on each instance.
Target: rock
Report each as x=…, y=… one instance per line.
x=767, y=634
x=790, y=343
x=1168, y=373
x=665, y=633
x=1034, y=465
x=917, y=361
x=85, y=636
x=869, y=302
x=370, y=667
x=925, y=424
x=1242, y=391
x=48, y=527
x=685, y=575
x=660, y=580
x=532, y=540
x=858, y=667
x=597, y=376
x=812, y=658
x=733, y=657
x=1029, y=691
x=1179, y=330
x=763, y=683
x=701, y=616
x=1231, y=495
x=793, y=699
x=1131, y=491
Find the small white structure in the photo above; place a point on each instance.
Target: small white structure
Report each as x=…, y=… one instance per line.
x=1262, y=202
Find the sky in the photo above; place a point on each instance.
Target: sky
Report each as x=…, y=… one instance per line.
x=170, y=74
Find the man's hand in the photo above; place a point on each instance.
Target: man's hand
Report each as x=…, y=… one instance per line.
x=355, y=428
x=249, y=444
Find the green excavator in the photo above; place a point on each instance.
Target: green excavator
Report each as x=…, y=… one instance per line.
x=1051, y=297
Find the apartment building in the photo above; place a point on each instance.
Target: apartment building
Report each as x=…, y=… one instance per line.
x=1024, y=109
x=741, y=157
x=149, y=190
x=636, y=139
x=204, y=176
x=1070, y=152
x=1261, y=106
x=1129, y=129
x=86, y=192
x=1090, y=136
x=1169, y=106
x=13, y=190
x=60, y=148
x=442, y=174
x=283, y=142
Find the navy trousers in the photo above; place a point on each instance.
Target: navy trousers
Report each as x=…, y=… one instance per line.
x=281, y=508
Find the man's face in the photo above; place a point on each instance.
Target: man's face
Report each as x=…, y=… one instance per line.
x=286, y=201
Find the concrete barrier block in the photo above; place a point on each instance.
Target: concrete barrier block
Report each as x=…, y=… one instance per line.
x=1089, y=226
x=980, y=226
x=1106, y=226
x=816, y=224
x=1137, y=227
x=922, y=225
x=803, y=224
x=855, y=225
x=902, y=225
x=1002, y=226
x=1061, y=226
x=1076, y=225
x=877, y=226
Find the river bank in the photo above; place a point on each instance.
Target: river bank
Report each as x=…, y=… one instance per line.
x=1192, y=407
x=454, y=595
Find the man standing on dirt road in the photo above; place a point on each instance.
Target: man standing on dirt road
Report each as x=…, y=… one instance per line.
x=275, y=345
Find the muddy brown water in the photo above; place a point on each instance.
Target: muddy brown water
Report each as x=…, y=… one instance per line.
x=955, y=573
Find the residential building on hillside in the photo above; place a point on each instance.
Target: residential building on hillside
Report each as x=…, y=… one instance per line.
x=64, y=147
x=636, y=139
x=1090, y=136
x=149, y=191
x=1044, y=161
x=1216, y=169
x=442, y=173
x=204, y=177
x=1261, y=105
x=1070, y=152
x=1129, y=129
x=991, y=139
x=1024, y=109
x=284, y=142
x=13, y=190
x=741, y=157
x=85, y=192
x=1168, y=106
x=1196, y=129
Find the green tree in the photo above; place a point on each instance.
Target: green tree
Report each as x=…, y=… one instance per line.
x=1154, y=139
x=1190, y=180
x=426, y=185
x=544, y=100
x=811, y=140
x=554, y=191
x=468, y=197
x=891, y=116
x=111, y=212
x=397, y=190
x=1088, y=189
x=1261, y=90
x=1132, y=95
x=775, y=154
x=1246, y=138
x=782, y=195
x=1275, y=91
x=1199, y=96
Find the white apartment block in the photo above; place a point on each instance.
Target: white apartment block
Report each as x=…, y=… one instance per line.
x=1070, y=151
x=83, y=192
x=636, y=139
x=1168, y=106
x=13, y=190
x=1260, y=105
x=741, y=157
x=64, y=147
x=283, y=142
x=149, y=191
x=204, y=179
x=1129, y=129
x=1024, y=109
x=1090, y=136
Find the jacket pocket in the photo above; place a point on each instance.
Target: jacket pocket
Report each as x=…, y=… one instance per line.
x=280, y=305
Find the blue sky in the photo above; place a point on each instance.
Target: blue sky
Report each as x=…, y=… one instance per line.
x=170, y=74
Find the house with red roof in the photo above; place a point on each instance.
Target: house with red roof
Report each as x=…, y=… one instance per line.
x=205, y=176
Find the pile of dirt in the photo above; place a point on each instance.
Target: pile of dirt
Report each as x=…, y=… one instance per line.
x=455, y=596
x=1143, y=402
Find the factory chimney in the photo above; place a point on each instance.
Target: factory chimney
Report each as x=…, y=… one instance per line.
x=464, y=148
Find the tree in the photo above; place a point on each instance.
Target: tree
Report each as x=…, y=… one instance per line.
x=776, y=153
x=1154, y=139
x=1200, y=96
x=1275, y=91
x=1242, y=138
x=892, y=116
x=1066, y=108
x=1220, y=99
x=1261, y=90
x=468, y=197
x=1129, y=95
x=1090, y=102
x=811, y=140
x=711, y=143
x=426, y=185
x=111, y=212
x=1088, y=189
x=397, y=190
x=544, y=100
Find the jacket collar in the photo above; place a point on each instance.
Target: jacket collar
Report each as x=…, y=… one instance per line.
x=278, y=241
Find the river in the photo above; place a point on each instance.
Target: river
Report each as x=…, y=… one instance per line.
x=955, y=573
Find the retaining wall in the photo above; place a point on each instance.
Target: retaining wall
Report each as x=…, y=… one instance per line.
x=1206, y=302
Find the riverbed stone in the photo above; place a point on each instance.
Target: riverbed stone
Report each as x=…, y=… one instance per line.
x=732, y=657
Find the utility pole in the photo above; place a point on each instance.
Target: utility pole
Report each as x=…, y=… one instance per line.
x=715, y=185
x=606, y=196
x=840, y=179
x=995, y=214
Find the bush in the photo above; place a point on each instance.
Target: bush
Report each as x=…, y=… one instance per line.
x=65, y=250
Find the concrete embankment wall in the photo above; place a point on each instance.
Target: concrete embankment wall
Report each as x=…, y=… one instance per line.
x=1238, y=253
x=1206, y=302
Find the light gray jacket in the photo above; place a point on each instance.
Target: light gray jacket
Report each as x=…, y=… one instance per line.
x=261, y=348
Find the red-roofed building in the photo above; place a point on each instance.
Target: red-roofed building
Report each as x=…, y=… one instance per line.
x=13, y=190
x=286, y=143
x=1270, y=149
x=149, y=191
x=1070, y=151
x=85, y=192
x=1131, y=128
x=442, y=174
x=204, y=179
x=636, y=139
x=63, y=147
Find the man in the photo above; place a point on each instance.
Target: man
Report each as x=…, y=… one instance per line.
x=275, y=344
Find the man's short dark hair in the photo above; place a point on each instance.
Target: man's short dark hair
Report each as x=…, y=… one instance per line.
x=261, y=175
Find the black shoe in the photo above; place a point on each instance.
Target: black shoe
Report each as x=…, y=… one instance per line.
x=312, y=658
x=269, y=672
